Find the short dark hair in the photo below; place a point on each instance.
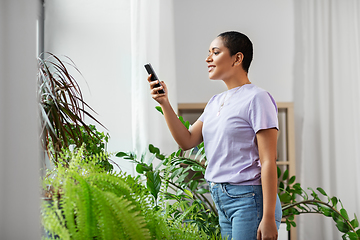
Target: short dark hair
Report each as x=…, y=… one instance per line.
x=238, y=42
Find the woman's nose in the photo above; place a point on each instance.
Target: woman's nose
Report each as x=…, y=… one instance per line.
x=208, y=58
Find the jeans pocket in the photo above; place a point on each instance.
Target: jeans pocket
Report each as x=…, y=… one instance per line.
x=238, y=191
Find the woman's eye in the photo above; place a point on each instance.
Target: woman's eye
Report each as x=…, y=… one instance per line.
x=211, y=53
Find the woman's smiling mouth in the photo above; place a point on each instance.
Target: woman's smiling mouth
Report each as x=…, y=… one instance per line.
x=210, y=67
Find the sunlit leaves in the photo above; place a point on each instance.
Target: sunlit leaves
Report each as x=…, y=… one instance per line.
x=292, y=180
x=156, y=151
x=121, y=154
x=153, y=183
x=179, y=177
x=296, y=201
x=355, y=222
x=343, y=227
x=185, y=123
x=285, y=175
x=159, y=109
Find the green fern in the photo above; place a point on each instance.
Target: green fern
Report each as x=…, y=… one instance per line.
x=107, y=226
x=133, y=222
x=53, y=221
x=88, y=203
x=81, y=197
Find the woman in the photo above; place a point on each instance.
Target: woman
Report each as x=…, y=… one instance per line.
x=239, y=129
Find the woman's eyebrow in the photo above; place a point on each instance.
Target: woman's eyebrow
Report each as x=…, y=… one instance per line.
x=214, y=48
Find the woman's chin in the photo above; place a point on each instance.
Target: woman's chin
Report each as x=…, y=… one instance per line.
x=212, y=77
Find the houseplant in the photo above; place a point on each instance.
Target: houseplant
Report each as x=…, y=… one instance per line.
x=85, y=198
x=179, y=179
x=61, y=106
x=91, y=204
x=168, y=181
x=94, y=143
x=295, y=200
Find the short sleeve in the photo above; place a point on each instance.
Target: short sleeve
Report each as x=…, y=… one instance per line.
x=202, y=116
x=263, y=112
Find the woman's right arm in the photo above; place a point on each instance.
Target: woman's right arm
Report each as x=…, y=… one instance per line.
x=185, y=138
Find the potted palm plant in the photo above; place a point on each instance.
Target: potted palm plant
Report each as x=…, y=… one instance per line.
x=61, y=106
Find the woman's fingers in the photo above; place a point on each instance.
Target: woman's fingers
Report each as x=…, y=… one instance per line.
x=153, y=83
x=164, y=86
x=149, y=78
x=153, y=88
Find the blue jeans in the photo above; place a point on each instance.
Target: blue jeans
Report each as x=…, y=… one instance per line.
x=240, y=209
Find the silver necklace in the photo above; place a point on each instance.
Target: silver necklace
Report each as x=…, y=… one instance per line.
x=222, y=104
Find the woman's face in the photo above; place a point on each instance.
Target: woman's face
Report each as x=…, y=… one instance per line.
x=220, y=63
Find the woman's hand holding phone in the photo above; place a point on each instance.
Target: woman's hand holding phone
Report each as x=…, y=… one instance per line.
x=181, y=134
x=158, y=89
x=155, y=89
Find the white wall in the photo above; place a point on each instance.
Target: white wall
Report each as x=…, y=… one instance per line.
x=269, y=25
x=96, y=36
x=19, y=146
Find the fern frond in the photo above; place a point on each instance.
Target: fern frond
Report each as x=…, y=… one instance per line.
x=179, y=220
x=68, y=206
x=158, y=226
x=187, y=232
x=85, y=219
x=111, y=183
x=114, y=181
x=52, y=223
x=106, y=226
x=133, y=222
x=123, y=186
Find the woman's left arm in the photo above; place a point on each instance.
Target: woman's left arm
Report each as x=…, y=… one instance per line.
x=267, y=145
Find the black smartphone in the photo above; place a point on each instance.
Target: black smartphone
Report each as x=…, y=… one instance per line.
x=154, y=77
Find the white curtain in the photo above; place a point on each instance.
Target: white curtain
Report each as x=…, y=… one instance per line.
x=327, y=105
x=152, y=40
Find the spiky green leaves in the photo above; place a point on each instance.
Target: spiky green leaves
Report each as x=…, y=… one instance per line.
x=87, y=210
x=61, y=104
x=89, y=203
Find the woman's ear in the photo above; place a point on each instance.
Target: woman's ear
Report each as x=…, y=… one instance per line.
x=238, y=58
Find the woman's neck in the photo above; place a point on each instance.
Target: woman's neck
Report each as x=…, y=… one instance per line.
x=237, y=81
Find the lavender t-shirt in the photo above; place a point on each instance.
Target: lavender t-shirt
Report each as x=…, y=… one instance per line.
x=230, y=137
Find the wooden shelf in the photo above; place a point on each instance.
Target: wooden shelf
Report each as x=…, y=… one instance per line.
x=191, y=106
x=282, y=162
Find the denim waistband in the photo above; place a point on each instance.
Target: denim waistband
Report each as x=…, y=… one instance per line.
x=225, y=183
